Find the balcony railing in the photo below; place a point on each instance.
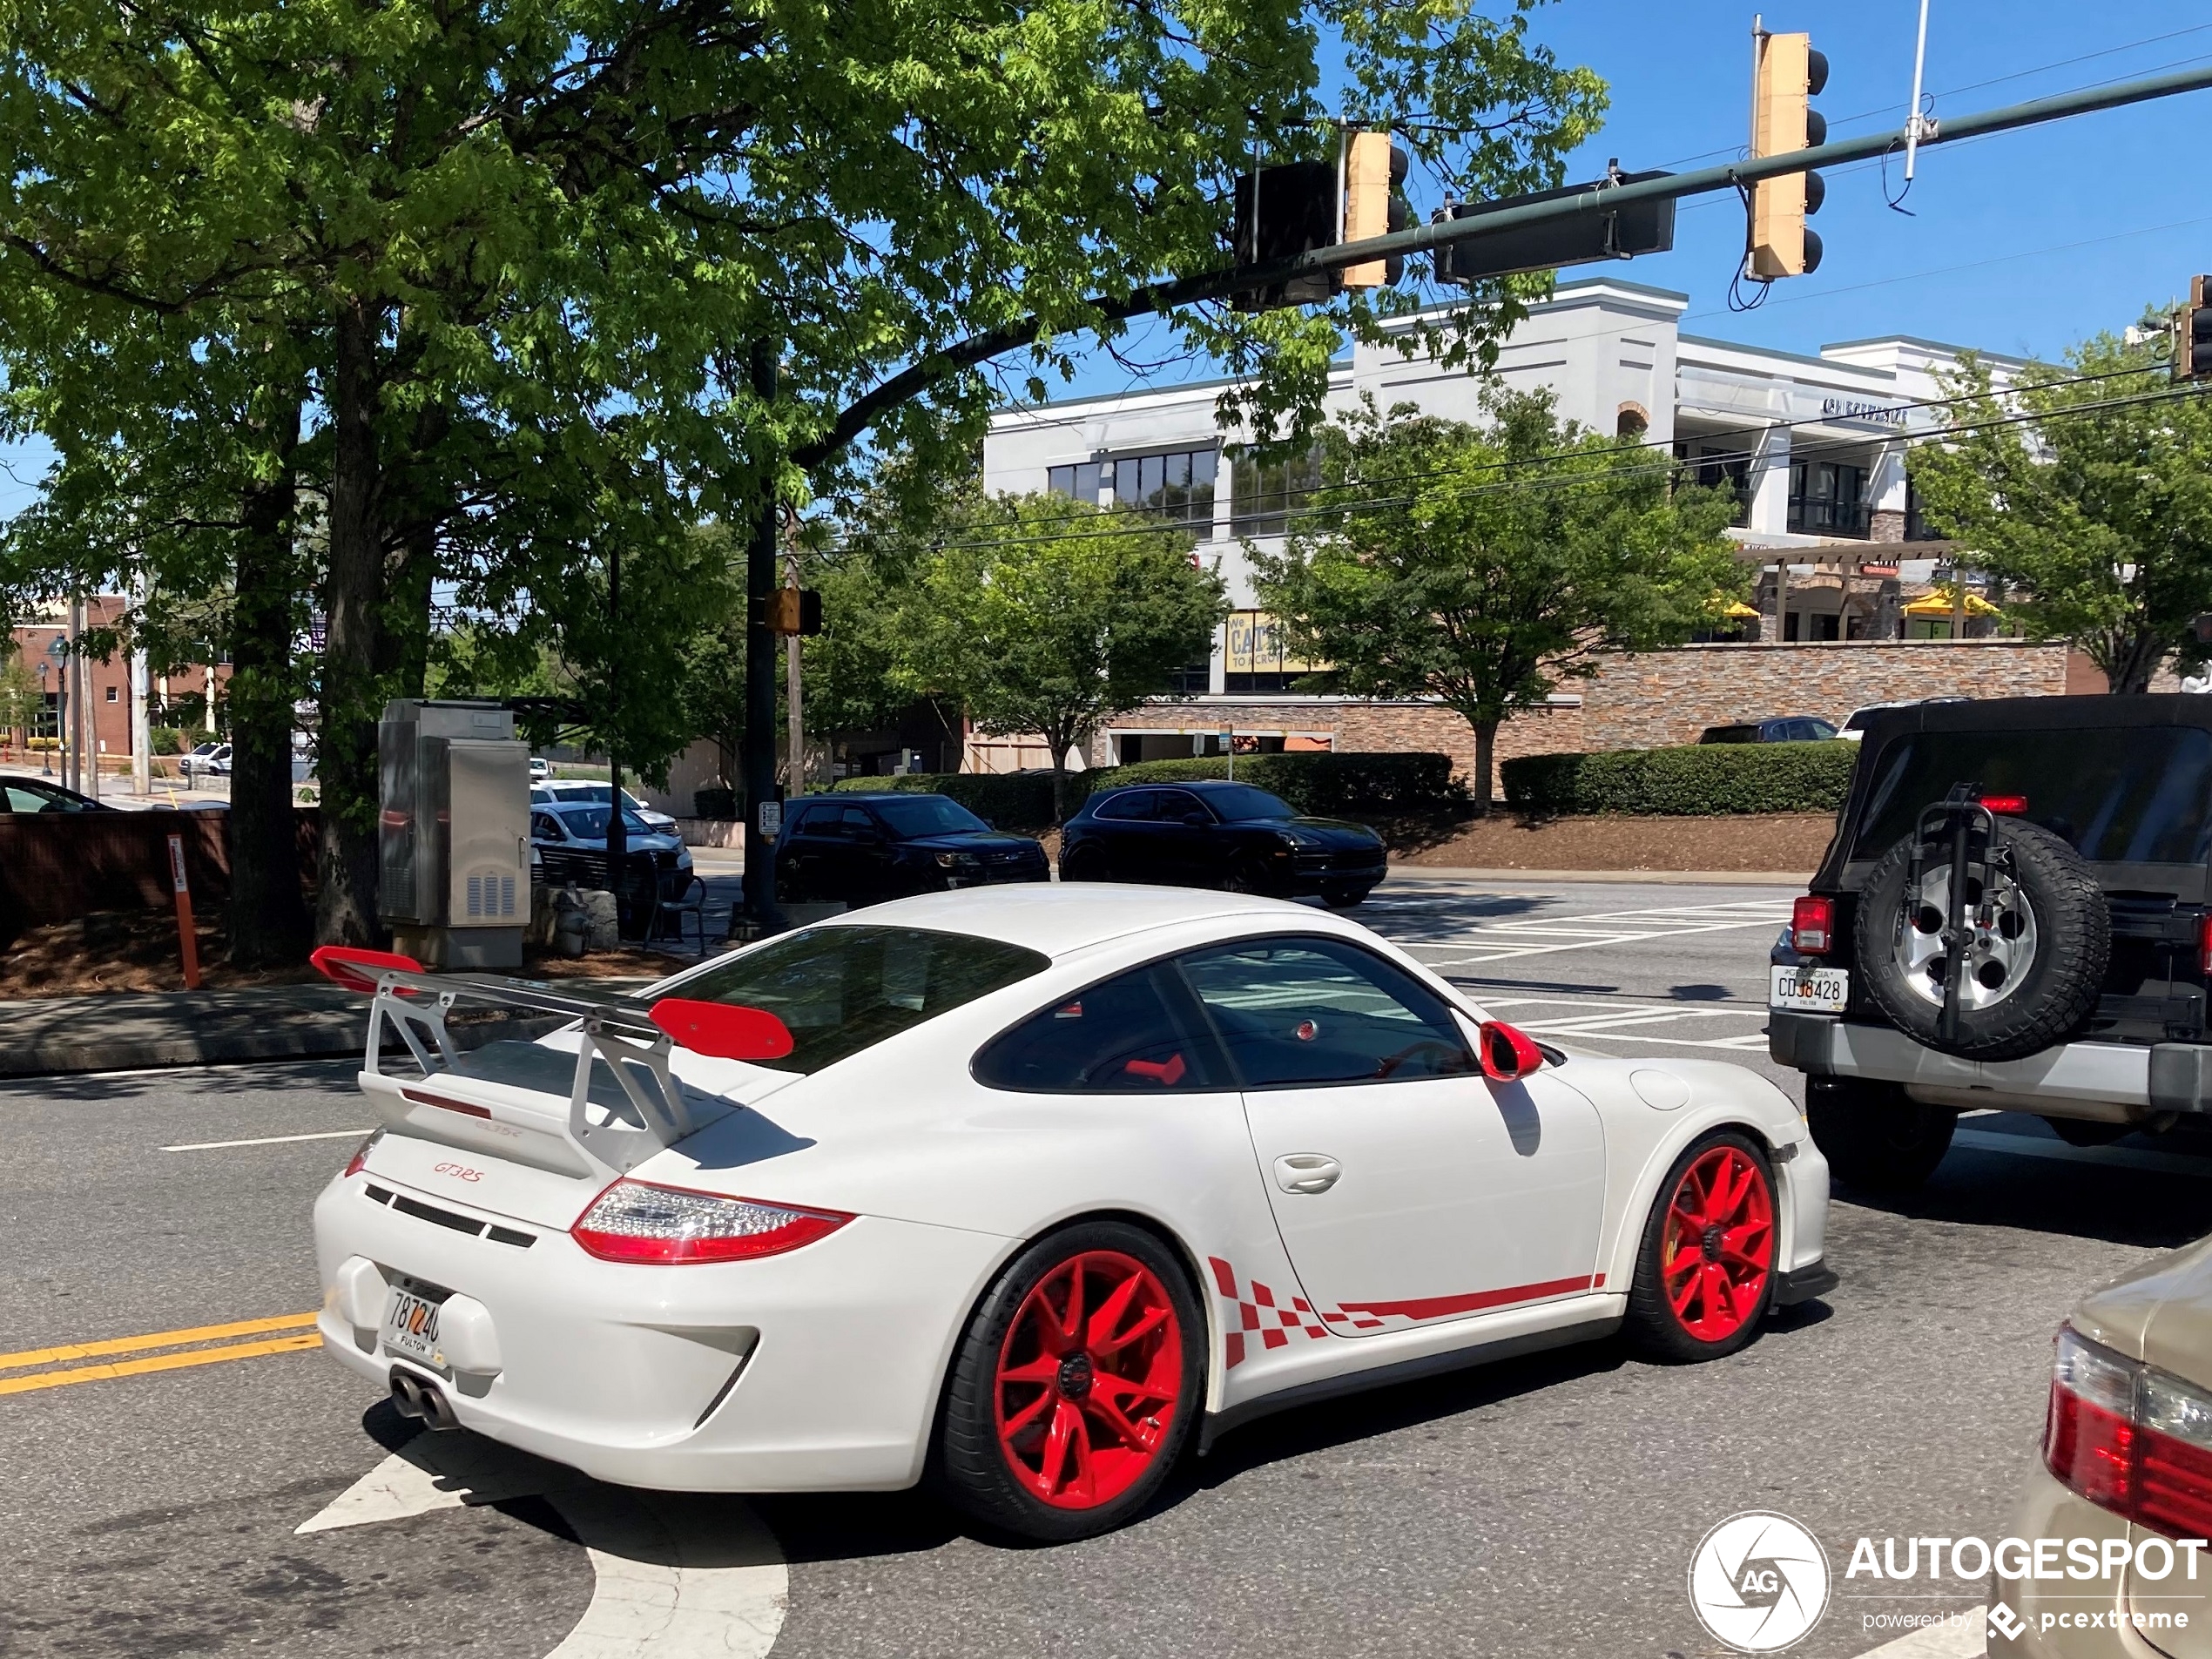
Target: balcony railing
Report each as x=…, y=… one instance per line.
x=1814, y=517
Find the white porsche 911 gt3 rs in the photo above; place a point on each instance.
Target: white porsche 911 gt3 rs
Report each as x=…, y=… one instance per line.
x=1024, y=1190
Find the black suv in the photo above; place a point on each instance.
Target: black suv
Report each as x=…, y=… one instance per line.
x=862, y=849
x=2013, y=914
x=1219, y=835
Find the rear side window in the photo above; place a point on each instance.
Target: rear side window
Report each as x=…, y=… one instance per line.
x=1136, y=1033
x=1135, y=806
x=1315, y=1011
x=2121, y=795
x=843, y=989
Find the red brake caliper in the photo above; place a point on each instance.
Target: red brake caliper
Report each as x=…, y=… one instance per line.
x=1718, y=1246
x=1087, y=1380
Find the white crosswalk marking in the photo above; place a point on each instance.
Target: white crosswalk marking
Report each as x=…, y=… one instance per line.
x=1506, y=940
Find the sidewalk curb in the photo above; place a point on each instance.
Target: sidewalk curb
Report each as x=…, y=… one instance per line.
x=317, y=1037
x=1640, y=878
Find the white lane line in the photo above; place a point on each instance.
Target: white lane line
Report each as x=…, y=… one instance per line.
x=1499, y=946
x=1961, y=1636
x=268, y=1140
x=2118, y=1157
x=1625, y=1016
x=674, y=1575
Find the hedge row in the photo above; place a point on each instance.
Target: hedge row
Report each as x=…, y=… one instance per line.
x=1696, y=780
x=1320, y=783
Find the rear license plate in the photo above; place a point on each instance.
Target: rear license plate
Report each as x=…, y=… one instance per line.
x=1809, y=990
x=411, y=1325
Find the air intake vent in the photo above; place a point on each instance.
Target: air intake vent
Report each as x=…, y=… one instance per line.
x=452, y=1219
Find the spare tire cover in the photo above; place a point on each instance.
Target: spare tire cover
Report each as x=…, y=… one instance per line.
x=2042, y=940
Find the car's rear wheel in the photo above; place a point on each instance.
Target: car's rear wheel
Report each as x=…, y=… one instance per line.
x=1705, y=1277
x=1874, y=1135
x=1075, y=1386
x=1085, y=864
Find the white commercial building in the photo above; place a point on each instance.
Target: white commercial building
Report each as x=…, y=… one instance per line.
x=1814, y=446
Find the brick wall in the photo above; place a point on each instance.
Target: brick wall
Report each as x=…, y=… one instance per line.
x=1670, y=696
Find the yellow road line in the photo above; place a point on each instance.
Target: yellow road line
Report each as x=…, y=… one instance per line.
x=298, y=1344
x=158, y=1340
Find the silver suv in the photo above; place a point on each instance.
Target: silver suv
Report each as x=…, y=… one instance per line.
x=2013, y=914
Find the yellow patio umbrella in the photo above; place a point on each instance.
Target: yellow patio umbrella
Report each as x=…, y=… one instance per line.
x=1944, y=604
x=1737, y=611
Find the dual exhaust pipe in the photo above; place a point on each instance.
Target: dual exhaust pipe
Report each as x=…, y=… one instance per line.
x=417, y=1397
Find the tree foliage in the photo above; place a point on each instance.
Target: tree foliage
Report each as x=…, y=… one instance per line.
x=2099, y=506
x=1038, y=614
x=1485, y=567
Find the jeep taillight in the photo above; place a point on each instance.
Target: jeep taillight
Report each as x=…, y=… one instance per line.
x=1812, y=925
x=2204, y=946
x=2130, y=1438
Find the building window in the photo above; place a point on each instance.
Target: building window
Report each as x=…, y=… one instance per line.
x=1264, y=496
x=1915, y=528
x=1256, y=660
x=1077, y=483
x=1827, y=498
x=1715, y=466
x=111, y=694
x=1178, y=486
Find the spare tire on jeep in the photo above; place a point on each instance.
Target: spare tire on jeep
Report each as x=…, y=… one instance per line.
x=2042, y=940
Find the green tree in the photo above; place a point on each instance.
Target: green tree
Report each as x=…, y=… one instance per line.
x=2099, y=507
x=1042, y=614
x=22, y=704
x=1485, y=567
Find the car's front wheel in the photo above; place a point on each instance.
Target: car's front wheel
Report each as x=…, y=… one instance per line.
x=1084, y=864
x=1075, y=1386
x=1874, y=1135
x=1705, y=1277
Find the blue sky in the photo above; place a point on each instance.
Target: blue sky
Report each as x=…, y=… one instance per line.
x=2019, y=243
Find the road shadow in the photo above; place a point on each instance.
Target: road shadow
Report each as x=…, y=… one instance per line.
x=274, y=1076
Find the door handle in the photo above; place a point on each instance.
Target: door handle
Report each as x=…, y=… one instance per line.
x=1306, y=1172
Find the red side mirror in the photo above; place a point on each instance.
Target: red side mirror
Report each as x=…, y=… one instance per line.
x=722, y=1029
x=345, y=964
x=1506, y=1054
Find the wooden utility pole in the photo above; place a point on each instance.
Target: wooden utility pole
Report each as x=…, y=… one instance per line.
x=794, y=688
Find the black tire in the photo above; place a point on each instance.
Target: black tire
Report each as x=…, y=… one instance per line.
x=2079, y=1132
x=1243, y=876
x=977, y=1471
x=1084, y=864
x=1874, y=1135
x=2058, y=989
x=1344, y=898
x=1720, y=1326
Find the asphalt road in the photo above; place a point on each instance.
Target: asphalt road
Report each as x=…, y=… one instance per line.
x=1547, y=1505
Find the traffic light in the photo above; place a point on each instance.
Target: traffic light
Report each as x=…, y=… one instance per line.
x=1375, y=204
x=1789, y=75
x=2193, y=332
x=1640, y=227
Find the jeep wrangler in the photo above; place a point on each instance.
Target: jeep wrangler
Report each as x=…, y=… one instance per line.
x=2013, y=914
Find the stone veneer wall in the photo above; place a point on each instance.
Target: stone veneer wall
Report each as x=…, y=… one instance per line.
x=1356, y=728
x=1660, y=698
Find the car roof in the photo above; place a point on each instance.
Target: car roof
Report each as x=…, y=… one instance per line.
x=1061, y=918
x=842, y=795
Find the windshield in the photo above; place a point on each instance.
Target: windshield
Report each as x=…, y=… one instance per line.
x=2137, y=795
x=601, y=793
x=591, y=823
x=928, y=815
x=842, y=990
x=1241, y=803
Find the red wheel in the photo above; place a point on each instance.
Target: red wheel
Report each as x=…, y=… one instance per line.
x=1090, y=1379
x=1707, y=1270
x=1076, y=1385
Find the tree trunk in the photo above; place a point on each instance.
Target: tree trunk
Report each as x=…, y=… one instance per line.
x=354, y=614
x=2134, y=659
x=1486, y=744
x=267, y=915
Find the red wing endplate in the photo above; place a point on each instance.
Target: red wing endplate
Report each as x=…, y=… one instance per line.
x=723, y=1031
x=356, y=969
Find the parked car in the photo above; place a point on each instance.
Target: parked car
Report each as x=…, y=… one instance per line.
x=902, y=1147
x=862, y=849
x=541, y=770
x=561, y=792
x=1791, y=728
x=2081, y=930
x=1215, y=834
x=36, y=795
x=2126, y=1467
x=561, y=831
x=1855, y=723
x=209, y=757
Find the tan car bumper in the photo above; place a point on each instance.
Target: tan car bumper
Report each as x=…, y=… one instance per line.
x=2093, y=1618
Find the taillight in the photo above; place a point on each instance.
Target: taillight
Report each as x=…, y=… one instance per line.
x=1812, y=925
x=2009, y=805
x=361, y=1153
x=636, y=1220
x=2131, y=1438
x=2205, y=946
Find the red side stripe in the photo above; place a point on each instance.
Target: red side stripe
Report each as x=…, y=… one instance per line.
x=1437, y=1307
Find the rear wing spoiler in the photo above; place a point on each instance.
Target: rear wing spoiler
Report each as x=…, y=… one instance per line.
x=630, y=1040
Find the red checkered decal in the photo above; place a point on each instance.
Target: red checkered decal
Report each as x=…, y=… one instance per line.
x=1262, y=1316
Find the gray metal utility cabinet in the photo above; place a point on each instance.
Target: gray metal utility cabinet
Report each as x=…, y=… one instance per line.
x=453, y=833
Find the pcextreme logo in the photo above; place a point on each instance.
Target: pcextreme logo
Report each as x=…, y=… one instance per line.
x=1758, y=1582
